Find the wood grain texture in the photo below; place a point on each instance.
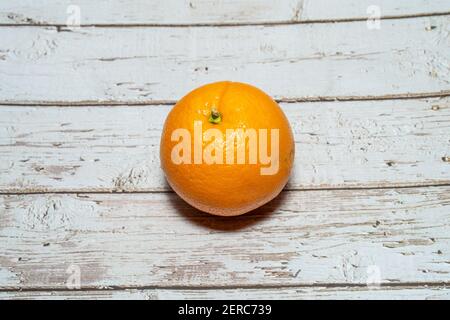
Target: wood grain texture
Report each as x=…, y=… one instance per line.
x=208, y=11
x=147, y=65
x=381, y=167
x=361, y=293
x=338, y=145
x=335, y=237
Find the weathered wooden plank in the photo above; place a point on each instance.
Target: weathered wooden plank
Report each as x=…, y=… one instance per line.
x=306, y=61
x=362, y=293
x=338, y=144
x=301, y=238
x=351, y=9
x=208, y=11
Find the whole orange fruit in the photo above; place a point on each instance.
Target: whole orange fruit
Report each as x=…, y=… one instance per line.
x=239, y=165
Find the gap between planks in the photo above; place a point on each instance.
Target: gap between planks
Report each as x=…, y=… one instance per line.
x=231, y=287
x=83, y=191
x=403, y=96
x=65, y=28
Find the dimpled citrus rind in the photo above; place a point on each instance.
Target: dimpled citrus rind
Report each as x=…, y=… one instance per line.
x=227, y=189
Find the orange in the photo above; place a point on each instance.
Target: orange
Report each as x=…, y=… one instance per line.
x=225, y=186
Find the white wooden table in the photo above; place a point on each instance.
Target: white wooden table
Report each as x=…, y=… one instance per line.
x=366, y=213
